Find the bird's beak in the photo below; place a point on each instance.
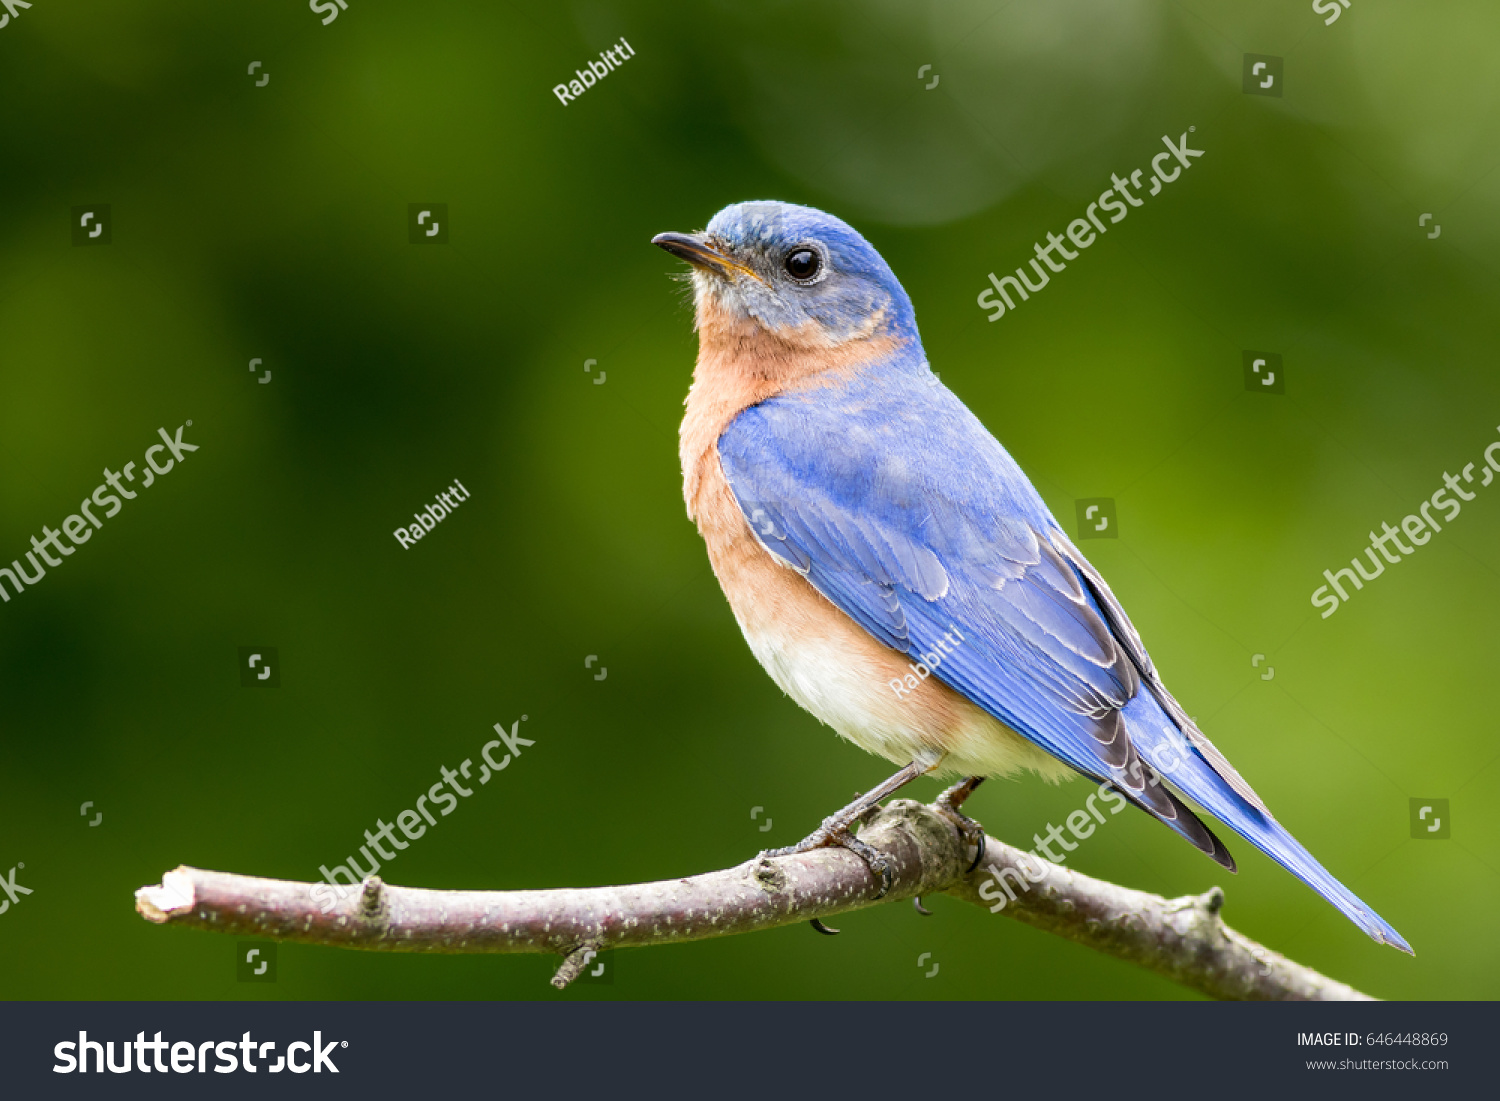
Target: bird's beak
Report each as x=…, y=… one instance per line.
x=693, y=248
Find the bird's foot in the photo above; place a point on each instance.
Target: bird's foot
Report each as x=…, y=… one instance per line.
x=835, y=834
x=838, y=829
x=972, y=832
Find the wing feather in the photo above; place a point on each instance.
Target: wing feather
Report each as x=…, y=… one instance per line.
x=906, y=549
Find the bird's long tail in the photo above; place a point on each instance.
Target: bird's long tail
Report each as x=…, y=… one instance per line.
x=1271, y=838
x=1192, y=775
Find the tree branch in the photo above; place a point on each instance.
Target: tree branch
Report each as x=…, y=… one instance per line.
x=1183, y=939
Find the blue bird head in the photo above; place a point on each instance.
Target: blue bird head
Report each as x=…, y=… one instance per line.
x=796, y=272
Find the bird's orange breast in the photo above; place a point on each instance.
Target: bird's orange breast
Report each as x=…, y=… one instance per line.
x=815, y=653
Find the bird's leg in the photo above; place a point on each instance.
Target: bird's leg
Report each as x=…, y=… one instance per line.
x=970, y=830
x=835, y=828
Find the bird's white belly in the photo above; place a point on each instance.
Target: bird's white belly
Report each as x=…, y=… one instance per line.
x=834, y=668
x=845, y=679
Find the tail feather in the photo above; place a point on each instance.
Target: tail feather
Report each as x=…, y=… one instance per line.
x=1271, y=838
x=1190, y=773
x=1162, y=804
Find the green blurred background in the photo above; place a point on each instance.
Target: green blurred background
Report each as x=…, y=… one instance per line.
x=270, y=222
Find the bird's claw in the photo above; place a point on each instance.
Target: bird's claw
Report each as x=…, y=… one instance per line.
x=972, y=832
x=878, y=863
x=832, y=835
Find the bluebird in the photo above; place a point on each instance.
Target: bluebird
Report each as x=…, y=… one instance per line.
x=894, y=570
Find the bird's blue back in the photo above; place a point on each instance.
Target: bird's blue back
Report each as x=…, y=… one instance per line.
x=898, y=505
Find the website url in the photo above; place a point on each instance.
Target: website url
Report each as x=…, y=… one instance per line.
x=1377, y=1064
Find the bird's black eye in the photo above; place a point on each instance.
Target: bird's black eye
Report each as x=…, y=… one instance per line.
x=803, y=263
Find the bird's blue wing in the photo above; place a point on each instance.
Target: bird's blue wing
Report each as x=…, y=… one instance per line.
x=897, y=505
x=901, y=509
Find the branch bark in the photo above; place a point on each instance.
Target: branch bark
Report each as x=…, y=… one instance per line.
x=1183, y=939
